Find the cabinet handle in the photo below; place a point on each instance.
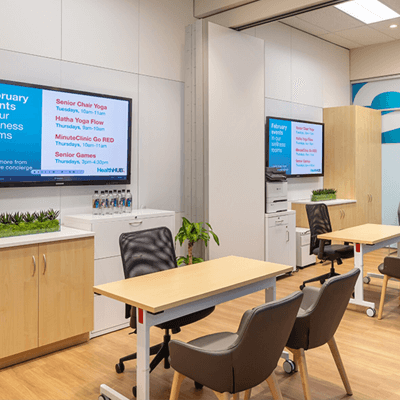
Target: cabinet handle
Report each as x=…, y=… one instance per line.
x=34, y=265
x=45, y=263
x=341, y=213
x=344, y=213
x=371, y=197
x=136, y=223
x=287, y=236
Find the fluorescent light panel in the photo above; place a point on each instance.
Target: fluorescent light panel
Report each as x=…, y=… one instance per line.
x=368, y=11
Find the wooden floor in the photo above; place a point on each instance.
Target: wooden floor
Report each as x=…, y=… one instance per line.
x=370, y=350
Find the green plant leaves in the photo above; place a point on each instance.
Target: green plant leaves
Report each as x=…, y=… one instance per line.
x=193, y=232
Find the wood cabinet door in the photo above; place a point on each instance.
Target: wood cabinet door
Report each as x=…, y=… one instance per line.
x=65, y=289
x=18, y=300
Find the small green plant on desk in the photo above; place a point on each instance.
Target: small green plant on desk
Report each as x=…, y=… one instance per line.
x=323, y=194
x=193, y=232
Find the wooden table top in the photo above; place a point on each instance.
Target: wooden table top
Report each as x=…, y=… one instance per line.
x=366, y=234
x=170, y=288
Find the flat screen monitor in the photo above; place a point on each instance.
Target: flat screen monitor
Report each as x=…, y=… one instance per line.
x=294, y=146
x=52, y=136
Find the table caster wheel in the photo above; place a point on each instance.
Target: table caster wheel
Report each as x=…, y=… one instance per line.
x=120, y=367
x=289, y=366
x=302, y=287
x=198, y=385
x=366, y=279
x=322, y=281
x=134, y=391
x=371, y=312
x=103, y=397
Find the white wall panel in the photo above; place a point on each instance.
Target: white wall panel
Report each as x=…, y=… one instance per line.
x=29, y=69
x=307, y=113
x=236, y=142
x=101, y=32
x=161, y=134
x=336, y=75
x=162, y=37
x=307, y=69
x=278, y=108
x=32, y=27
x=278, y=60
x=29, y=199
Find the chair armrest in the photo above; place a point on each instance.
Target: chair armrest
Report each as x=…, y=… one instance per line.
x=321, y=249
x=391, y=267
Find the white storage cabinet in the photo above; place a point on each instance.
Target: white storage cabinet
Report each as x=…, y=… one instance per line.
x=280, y=238
x=109, y=314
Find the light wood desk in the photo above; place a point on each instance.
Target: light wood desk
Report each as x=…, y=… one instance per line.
x=169, y=294
x=366, y=238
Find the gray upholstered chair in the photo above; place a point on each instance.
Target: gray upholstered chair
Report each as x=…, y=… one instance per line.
x=319, y=316
x=390, y=269
x=229, y=363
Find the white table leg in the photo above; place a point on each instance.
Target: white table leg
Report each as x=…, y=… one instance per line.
x=143, y=356
x=270, y=293
x=359, y=289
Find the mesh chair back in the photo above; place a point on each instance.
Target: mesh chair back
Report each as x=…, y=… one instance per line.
x=319, y=221
x=262, y=335
x=147, y=251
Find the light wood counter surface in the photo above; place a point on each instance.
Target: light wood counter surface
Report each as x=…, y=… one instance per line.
x=366, y=234
x=167, y=289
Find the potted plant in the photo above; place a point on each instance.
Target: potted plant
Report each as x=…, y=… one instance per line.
x=323, y=194
x=18, y=224
x=193, y=232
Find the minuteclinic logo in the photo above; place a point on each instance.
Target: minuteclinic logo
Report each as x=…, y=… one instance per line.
x=121, y=170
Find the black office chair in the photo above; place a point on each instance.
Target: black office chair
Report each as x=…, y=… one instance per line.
x=145, y=252
x=319, y=221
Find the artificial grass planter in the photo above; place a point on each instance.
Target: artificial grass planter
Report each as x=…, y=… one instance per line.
x=28, y=224
x=323, y=194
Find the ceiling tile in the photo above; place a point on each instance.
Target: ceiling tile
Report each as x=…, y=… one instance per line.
x=365, y=35
x=341, y=41
x=384, y=27
x=303, y=26
x=330, y=19
x=393, y=4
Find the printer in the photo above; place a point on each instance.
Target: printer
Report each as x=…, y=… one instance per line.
x=276, y=190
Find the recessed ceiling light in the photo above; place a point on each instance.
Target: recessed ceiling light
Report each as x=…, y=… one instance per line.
x=393, y=26
x=368, y=11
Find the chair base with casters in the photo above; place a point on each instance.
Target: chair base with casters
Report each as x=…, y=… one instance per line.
x=322, y=278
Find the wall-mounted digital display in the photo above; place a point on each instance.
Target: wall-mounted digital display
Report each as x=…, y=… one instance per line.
x=52, y=136
x=294, y=146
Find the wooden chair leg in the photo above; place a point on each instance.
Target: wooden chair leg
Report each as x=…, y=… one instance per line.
x=222, y=396
x=176, y=385
x=274, y=387
x=339, y=364
x=247, y=394
x=300, y=360
x=383, y=293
